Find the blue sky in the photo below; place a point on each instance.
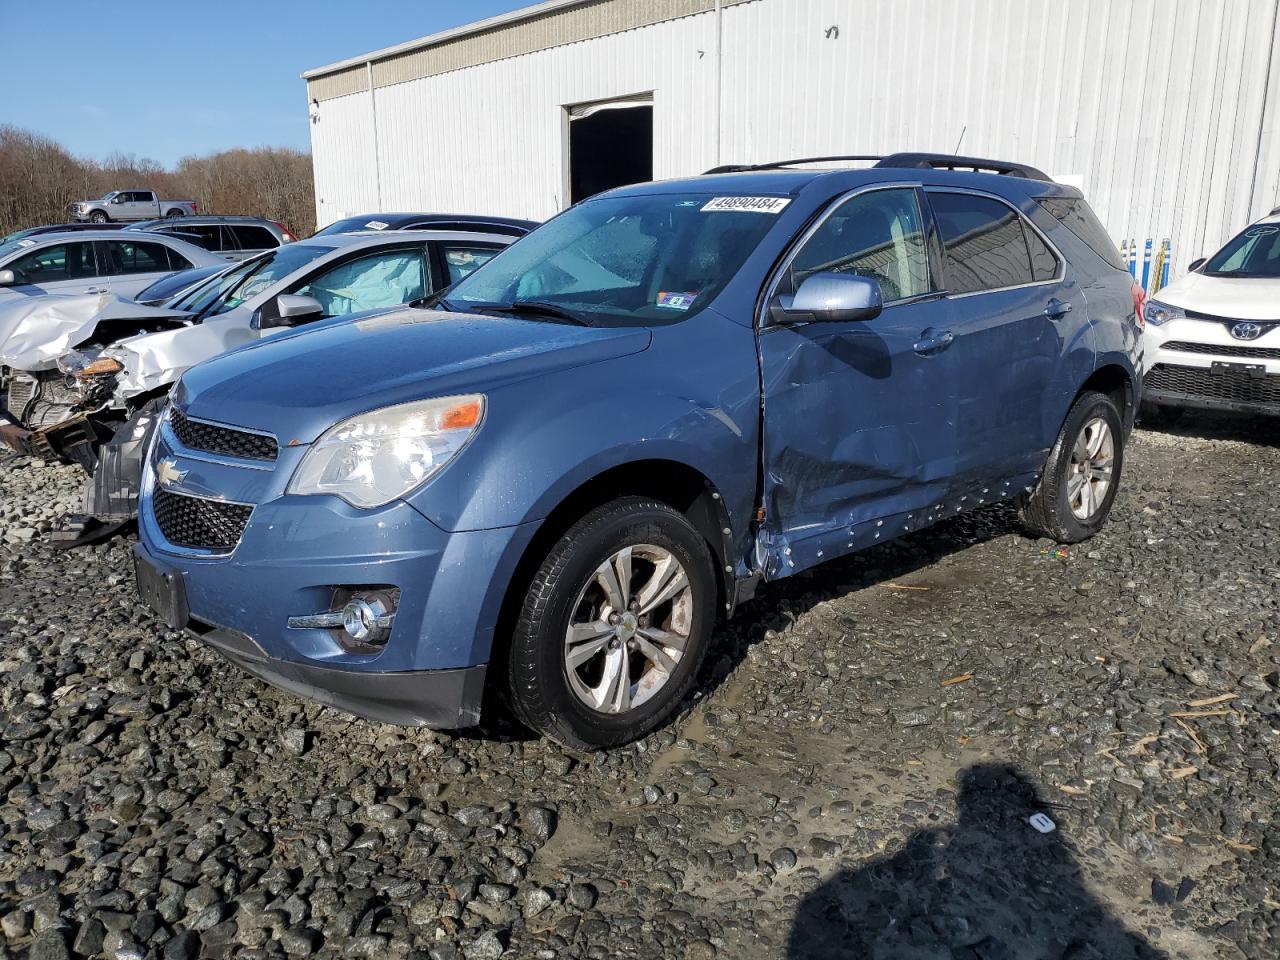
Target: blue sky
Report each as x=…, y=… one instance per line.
x=167, y=79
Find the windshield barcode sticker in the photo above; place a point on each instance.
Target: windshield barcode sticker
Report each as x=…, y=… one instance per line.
x=376, y=225
x=745, y=205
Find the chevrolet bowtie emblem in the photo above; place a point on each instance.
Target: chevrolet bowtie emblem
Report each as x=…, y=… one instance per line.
x=168, y=474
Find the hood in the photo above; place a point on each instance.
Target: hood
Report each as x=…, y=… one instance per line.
x=300, y=384
x=36, y=331
x=1236, y=298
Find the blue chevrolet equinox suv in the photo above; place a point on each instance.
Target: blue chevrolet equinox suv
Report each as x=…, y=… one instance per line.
x=550, y=481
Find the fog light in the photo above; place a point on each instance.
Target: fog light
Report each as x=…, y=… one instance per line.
x=366, y=621
x=360, y=617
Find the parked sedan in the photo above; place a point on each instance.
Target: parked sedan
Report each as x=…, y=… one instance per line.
x=92, y=261
x=504, y=226
x=1213, y=337
x=235, y=238
x=109, y=384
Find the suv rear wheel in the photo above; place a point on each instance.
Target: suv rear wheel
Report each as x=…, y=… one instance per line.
x=1081, y=477
x=614, y=626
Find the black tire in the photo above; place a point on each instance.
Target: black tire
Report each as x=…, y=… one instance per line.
x=99, y=216
x=1047, y=510
x=539, y=685
x=173, y=215
x=1155, y=415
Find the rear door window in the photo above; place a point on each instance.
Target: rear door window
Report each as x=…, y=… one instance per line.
x=250, y=237
x=130, y=256
x=207, y=235
x=985, y=242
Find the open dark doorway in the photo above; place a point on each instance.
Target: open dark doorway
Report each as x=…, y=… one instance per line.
x=610, y=145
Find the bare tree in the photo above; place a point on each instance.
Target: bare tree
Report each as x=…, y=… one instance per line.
x=39, y=179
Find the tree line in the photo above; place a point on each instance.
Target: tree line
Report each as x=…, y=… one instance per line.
x=39, y=179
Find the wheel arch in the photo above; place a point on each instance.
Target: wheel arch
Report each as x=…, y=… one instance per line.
x=679, y=485
x=1115, y=381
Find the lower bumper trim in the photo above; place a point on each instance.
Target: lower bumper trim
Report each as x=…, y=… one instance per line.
x=1170, y=398
x=441, y=699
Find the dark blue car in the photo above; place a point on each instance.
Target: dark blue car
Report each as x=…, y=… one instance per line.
x=556, y=478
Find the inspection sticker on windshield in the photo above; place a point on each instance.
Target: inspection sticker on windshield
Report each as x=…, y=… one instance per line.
x=27, y=242
x=745, y=205
x=676, y=301
x=377, y=225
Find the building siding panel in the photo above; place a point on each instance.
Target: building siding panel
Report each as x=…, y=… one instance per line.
x=1166, y=111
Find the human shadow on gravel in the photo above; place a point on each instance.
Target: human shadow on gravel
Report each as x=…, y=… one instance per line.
x=988, y=888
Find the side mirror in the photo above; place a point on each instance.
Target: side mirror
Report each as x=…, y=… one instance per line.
x=1196, y=264
x=838, y=297
x=8, y=278
x=117, y=199
x=290, y=309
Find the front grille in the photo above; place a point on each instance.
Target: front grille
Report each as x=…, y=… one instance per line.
x=202, y=524
x=1216, y=318
x=198, y=435
x=1256, y=353
x=1232, y=386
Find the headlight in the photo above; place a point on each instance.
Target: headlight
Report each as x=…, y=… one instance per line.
x=377, y=456
x=1158, y=313
x=77, y=365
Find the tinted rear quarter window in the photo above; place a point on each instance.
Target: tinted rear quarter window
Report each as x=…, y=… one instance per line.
x=1078, y=217
x=986, y=246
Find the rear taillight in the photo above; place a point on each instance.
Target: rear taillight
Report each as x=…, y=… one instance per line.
x=288, y=237
x=1139, y=302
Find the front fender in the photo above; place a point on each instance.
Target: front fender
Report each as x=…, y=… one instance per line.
x=692, y=398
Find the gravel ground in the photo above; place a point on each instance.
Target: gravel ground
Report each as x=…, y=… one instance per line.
x=854, y=778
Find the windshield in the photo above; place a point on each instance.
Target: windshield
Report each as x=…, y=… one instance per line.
x=229, y=290
x=175, y=283
x=1254, y=253
x=15, y=244
x=108, y=195
x=622, y=261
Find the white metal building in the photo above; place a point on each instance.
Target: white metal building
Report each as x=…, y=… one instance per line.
x=1166, y=112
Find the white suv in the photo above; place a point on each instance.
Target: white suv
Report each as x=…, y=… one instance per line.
x=1213, y=337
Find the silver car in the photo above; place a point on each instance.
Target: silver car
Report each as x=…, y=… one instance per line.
x=79, y=376
x=93, y=261
x=233, y=237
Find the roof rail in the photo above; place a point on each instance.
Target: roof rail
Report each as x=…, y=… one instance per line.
x=946, y=161
x=779, y=164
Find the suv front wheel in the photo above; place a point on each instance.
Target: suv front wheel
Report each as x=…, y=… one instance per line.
x=1081, y=476
x=614, y=626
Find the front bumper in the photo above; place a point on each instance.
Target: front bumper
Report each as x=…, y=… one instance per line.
x=446, y=699
x=1198, y=364
x=291, y=556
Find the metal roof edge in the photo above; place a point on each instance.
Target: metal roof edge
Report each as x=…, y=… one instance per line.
x=453, y=33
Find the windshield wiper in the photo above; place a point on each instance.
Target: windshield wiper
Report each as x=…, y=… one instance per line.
x=540, y=307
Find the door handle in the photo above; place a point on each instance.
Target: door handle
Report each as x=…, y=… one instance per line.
x=1056, y=308
x=933, y=341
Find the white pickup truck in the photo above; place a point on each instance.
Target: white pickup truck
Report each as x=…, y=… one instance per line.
x=131, y=205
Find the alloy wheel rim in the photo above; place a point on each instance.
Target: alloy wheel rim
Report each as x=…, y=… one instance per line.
x=1092, y=464
x=628, y=629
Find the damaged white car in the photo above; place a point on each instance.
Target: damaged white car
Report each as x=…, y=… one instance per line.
x=87, y=375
